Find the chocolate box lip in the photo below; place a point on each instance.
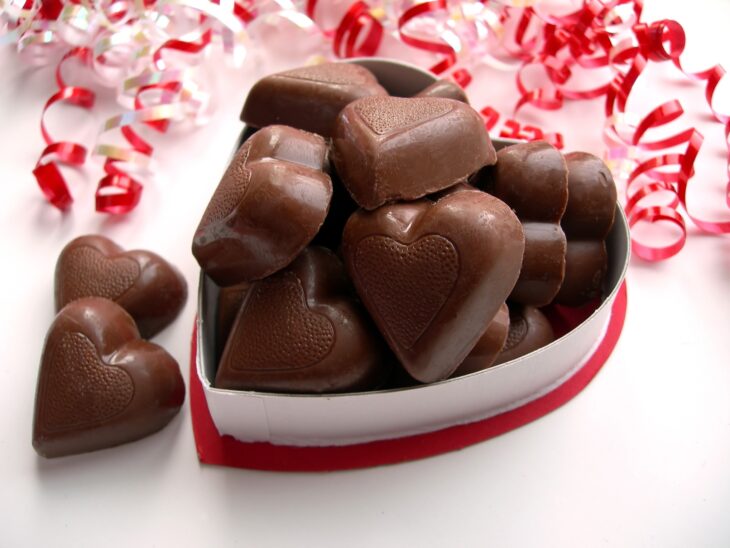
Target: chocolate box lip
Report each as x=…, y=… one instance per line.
x=617, y=243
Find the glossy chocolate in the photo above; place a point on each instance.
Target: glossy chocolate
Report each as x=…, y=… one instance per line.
x=99, y=384
x=532, y=179
x=529, y=330
x=270, y=203
x=445, y=89
x=586, y=222
x=144, y=284
x=308, y=98
x=392, y=148
x=484, y=354
x=302, y=331
x=434, y=274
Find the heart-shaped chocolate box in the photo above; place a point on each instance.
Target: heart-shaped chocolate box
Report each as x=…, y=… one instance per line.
x=99, y=383
x=141, y=282
x=330, y=420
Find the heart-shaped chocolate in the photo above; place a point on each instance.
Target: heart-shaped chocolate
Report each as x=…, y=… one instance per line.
x=270, y=203
x=99, y=384
x=308, y=98
x=141, y=282
x=393, y=148
x=434, y=274
x=302, y=330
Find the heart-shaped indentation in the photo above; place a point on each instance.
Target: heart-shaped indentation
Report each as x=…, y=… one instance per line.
x=331, y=73
x=420, y=279
x=386, y=114
x=87, y=271
x=99, y=384
x=143, y=283
x=278, y=331
x=77, y=389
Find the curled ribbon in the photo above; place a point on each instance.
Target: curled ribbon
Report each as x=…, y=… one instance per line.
x=126, y=44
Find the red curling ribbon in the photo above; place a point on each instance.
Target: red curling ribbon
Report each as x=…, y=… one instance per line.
x=431, y=46
x=47, y=173
x=652, y=39
x=491, y=117
x=345, y=37
x=356, y=19
x=125, y=192
x=462, y=77
x=512, y=129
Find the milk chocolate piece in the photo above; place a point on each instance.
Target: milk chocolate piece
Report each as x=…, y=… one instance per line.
x=230, y=300
x=99, y=384
x=270, y=203
x=529, y=330
x=392, y=148
x=144, y=284
x=532, y=179
x=308, y=98
x=302, y=331
x=434, y=274
x=484, y=354
x=445, y=89
x=586, y=222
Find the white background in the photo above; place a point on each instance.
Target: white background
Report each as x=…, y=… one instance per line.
x=640, y=458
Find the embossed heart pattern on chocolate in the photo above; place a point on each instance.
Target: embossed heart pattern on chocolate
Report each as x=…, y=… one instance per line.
x=302, y=330
x=99, y=383
x=143, y=283
x=431, y=258
x=434, y=274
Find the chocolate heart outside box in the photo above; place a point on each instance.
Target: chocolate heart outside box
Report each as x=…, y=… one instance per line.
x=346, y=419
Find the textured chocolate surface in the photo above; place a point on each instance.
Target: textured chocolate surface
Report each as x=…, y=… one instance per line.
x=532, y=179
x=445, y=89
x=141, y=282
x=586, y=222
x=99, y=384
x=484, y=354
x=270, y=203
x=308, y=98
x=529, y=330
x=230, y=300
x=434, y=274
x=302, y=331
x=391, y=148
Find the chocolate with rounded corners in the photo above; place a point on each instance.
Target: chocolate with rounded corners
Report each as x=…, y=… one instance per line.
x=303, y=331
x=532, y=179
x=308, y=98
x=270, y=203
x=389, y=149
x=99, y=384
x=586, y=222
x=434, y=274
x=143, y=283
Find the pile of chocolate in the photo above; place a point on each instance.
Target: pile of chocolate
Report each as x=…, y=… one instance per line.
x=100, y=383
x=363, y=241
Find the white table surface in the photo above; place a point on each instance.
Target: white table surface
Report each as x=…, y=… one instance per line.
x=639, y=458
